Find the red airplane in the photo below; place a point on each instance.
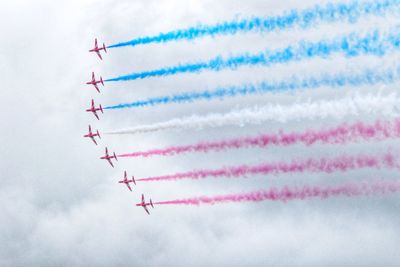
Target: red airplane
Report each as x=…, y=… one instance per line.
x=144, y=204
x=126, y=181
x=94, y=110
x=92, y=135
x=94, y=82
x=97, y=49
x=108, y=157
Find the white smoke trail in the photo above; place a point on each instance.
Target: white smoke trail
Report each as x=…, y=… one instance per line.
x=370, y=104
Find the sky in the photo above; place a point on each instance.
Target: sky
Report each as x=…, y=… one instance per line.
x=62, y=206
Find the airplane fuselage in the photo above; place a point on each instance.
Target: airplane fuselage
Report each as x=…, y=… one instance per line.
x=91, y=135
x=93, y=110
x=93, y=82
x=143, y=205
x=96, y=49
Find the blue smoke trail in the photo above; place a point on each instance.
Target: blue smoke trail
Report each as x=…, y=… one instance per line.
x=349, y=12
x=350, y=46
x=368, y=76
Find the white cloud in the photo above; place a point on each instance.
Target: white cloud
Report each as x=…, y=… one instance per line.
x=62, y=206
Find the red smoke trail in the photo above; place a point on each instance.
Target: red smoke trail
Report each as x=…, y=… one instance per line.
x=328, y=165
x=295, y=193
x=338, y=135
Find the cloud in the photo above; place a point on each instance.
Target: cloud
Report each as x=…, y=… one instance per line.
x=62, y=206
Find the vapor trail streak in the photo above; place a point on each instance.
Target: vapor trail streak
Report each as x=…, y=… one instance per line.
x=331, y=12
x=374, y=43
x=362, y=104
x=340, y=134
x=295, y=193
x=369, y=77
x=328, y=165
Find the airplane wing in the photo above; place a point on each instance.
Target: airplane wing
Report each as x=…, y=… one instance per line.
x=145, y=208
x=109, y=161
x=93, y=140
x=95, y=114
x=129, y=187
x=97, y=88
x=98, y=53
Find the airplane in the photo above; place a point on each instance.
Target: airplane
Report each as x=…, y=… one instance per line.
x=144, y=204
x=108, y=157
x=97, y=49
x=94, y=110
x=94, y=82
x=92, y=135
x=126, y=181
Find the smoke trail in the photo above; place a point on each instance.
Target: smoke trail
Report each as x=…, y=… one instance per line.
x=350, y=46
x=366, y=104
x=339, y=80
x=338, y=135
x=296, y=193
x=349, y=12
x=327, y=165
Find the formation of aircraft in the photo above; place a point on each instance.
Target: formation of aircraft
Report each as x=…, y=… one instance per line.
x=92, y=135
x=144, y=204
x=109, y=158
x=126, y=181
x=94, y=110
x=94, y=82
x=97, y=49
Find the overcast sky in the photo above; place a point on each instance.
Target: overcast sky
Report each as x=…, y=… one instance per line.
x=62, y=206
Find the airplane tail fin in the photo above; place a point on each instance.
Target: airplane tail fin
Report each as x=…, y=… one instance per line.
x=115, y=156
x=101, y=80
x=98, y=134
x=133, y=180
x=151, y=203
x=104, y=47
x=101, y=109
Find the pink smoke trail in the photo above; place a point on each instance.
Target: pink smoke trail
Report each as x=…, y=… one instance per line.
x=295, y=193
x=341, y=134
x=327, y=165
